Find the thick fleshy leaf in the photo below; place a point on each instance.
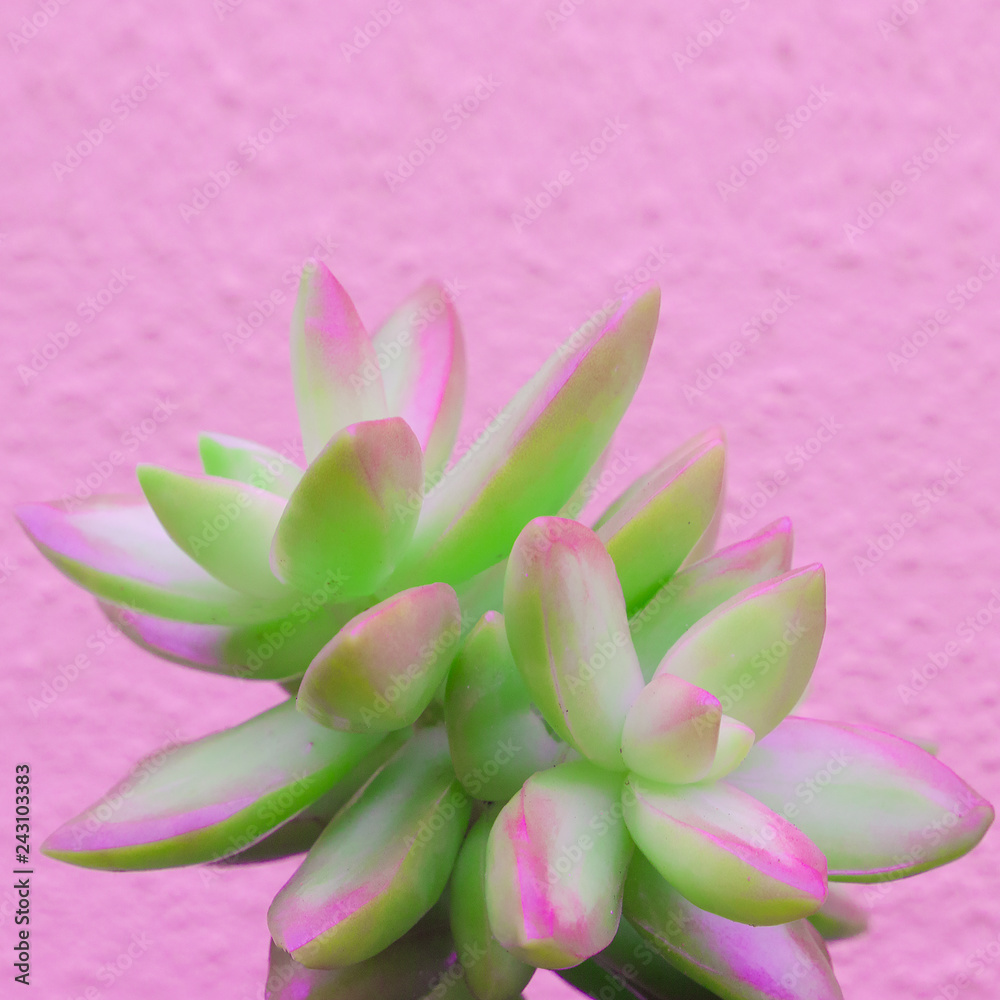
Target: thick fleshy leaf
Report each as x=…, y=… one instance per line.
x=556, y=862
x=756, y=652
x=733, y=960
x=115, y=547
x=270, y=650
x=840, y=917
x=383, y=667
x=353, y=514
x=334, y=368
x=546, y=439
x=204, y=800
x=496, y=737
x=304, y=828
x=248, y=462
x=421, y=354
x=589, y=487
x=879, y=807
x=495, y=974
x=628, y=967
x=224, y=526
x=735, y=741
x=651, y=529
x=672, y=731
x=380, y=865
x=419, y=966
x=724, y=851
x=568, y=631
x=694, y=592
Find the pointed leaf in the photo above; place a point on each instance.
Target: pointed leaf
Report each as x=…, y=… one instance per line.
x=380, y=865
x=224, y=526
x=879, y=807
x=247, y=462
x=840, y=917
x=547, y=438
x=733, y=960
x=419, y=965
x=383, y=667
x=115, y=547
x=694, y=592
x=271, y=650
x=421, y=353
x=756, y=652
x=655, y=524
x=724, y=851
x=672, y=731
x=568, y=631
x=353, y=514
x=556, y=862
x=204, y=800
x=303, y=829
x=334, y=368
x=496, y=737
x=494, y=974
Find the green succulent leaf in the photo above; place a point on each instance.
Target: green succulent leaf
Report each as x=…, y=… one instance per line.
x=224, y=526
x=491, y=972
x=247, y=462
x=733, y=960
x=115, y=547
x=840, y=916
x=724, y=851
x=652, y=528
x=303, y=829
x=547, y=438
x=418, y=966
x=672, y=731
x=699, y=589
x=879, y=807
x=353, y=514
x=422, y=356
x=628, y=967
x=380, y=865
x=274, y=649
x=756, y=652
x=555, y=865
x=205, y=800
x=334, y=368
x=384, y=666
x=568, y=631
x=496, y=737
x=735, y=741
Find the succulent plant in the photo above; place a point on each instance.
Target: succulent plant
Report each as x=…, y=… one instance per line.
x=514, y=740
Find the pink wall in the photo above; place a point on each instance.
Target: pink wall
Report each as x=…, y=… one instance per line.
x=209, y=77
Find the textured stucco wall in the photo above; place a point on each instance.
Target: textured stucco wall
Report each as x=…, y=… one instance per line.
x=211, y=76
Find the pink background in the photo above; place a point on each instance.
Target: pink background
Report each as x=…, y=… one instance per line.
x=549, y=84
